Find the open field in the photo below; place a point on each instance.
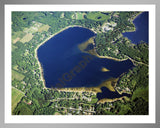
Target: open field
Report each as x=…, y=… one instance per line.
x=16, y=35
x=15, y=67
x=26, y=34
x=27, y=38
x=79, y=16
x=16, y=97
x=33, y=28
x=43, y=28
x=15, y=40
x=16, y=75
x=97, y=16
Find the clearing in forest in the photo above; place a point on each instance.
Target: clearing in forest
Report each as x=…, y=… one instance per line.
x=16, y=97
x=17, y=75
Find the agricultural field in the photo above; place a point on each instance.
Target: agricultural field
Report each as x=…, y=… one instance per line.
x=16, y=97
x=17, y=75
x=34, y=28
x=27, y=34
x=15, y=40
x=43, y=28
x=97, y=16
x=16, y=36
x=27, y=38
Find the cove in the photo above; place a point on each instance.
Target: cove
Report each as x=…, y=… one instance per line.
x=141, y=33
x=65, y=66
x=106, y=93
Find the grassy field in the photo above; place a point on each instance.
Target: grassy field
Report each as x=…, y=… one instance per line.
x=16, y=36
x=15, y=40
x=79, y=16
x=16, y=75
x=27, y=38
x=43, y=28
x=97, y=16
x=34, y=28
x=15, y=67
x=16, y=97
x=26, y=34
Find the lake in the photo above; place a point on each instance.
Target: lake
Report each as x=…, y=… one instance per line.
x=142, y=24
x=106, y=93
x=64, y=65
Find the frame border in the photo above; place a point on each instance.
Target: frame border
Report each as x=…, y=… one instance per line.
x=3, y=2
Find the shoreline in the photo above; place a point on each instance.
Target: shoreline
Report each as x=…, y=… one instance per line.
x=93, y=51
x=51, y=36
x=132, y=19
x=95, y=89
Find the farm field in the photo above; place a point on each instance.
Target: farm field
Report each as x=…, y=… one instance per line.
x=16, y=75
x=27, y=38
x=79, y=16
x=97, y=16
x=44, y=28
x=16, y=97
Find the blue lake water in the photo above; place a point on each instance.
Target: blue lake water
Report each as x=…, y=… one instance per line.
x=142, y=24
x=106, y=93
x=64, y=65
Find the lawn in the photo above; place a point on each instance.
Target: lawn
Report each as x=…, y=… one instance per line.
x=17, y=75
x=16, y=97
x=97, y=16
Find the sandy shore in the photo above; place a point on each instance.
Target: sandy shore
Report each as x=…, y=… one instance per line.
x=97, y=89
x=84, y=45
x=102, y=101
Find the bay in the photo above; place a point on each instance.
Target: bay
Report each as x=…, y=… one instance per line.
x=141, y=23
